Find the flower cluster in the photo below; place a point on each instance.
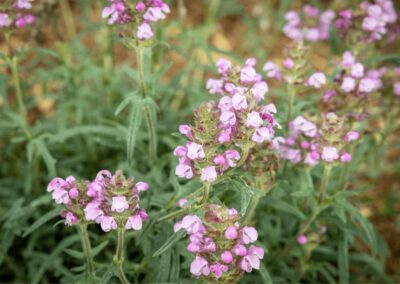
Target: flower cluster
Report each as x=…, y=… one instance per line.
x=310, y=25
x=15, y=15
x=294, y=69
x=142, y=14
x=352, y=86
x=223, y=249
x=371, y=20
x=238, y=122
x=109, y=200
x=310, y=145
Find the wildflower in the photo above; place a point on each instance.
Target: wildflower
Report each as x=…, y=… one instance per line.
x=214, y=142
x=302, y=240
x=217, y=248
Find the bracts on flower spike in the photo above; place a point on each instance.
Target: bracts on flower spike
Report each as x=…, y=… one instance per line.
x=223, y=249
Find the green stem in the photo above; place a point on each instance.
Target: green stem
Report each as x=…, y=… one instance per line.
x=68, y=18
x=255, y=199
x=21, y=104
x=206, y=193
x=291, y=96
x=324, y=183
x=251, y=209
x=147, y=114
x=87, y=249
x=119, y=257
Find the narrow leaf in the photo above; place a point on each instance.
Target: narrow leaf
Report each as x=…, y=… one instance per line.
x=42, y=220
x=172, y=240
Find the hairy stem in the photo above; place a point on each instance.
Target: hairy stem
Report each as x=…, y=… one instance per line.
x=119, y=257
x=324, y=183
x=291, y=95
x=206, y=193
x=147, y=114
x=21, y=104
x=255, y=199
x=87, y=250
x=68, y=18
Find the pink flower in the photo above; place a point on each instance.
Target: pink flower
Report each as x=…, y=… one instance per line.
x=71, y=219
x=272, y=70
x=231, y=157
x=233, y=213
x=60, y=196
x=357, y=70
x=199, y=267
x=57, y=183
x=308, y=128
x=228, y=118
x=254, y=120
x=144, y=32
x=143, y=215
x=348, y=84
x=4, y=20
x=248, y=235
x=186, y=130
x=261, y=134
x=182, y=202
x=195, y=151
x=396, y=89
x=317, y=80
x=259, y=90
x=345, y=158
x=215, y=86
x=208, y=174
x=73, y=193
x=251, y=62
x=108, y=223
x=225, y=103
x=140, y=7
x=141, y=186
x=93, y=212
x=348, y=59
x=226, y=256
x=312, y=159
x=302, y=240
x=119, y=204
x=352, y=136
x=239, y=102
x=224, y=136
x=223, y=66
x=183, y=170
x=288, y=63
x=219, y=160
x=239, y=250
x=24, y=4
x=191, y=223
x=113, y=12
x=231, y=233
x=329, y=154
x=218, y=269
x=154, y=14
x=367, y=85
x=134, y=222
x=248, y=74
x=252, y=259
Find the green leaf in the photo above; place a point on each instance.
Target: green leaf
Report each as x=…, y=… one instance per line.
x=281, y=205
x=41, y=221
x=74, y=253
x=343, y=260
x=172, y=240
x=134, y=126
x=131, y=98
x=99, y=248
x=47, y=157
x=265, y=274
